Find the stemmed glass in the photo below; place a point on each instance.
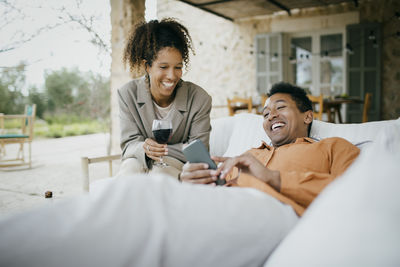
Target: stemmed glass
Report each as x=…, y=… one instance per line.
x=162, y=131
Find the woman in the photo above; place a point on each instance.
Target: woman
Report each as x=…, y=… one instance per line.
x=161, y=49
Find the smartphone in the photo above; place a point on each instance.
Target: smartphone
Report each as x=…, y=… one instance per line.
x=196, y=152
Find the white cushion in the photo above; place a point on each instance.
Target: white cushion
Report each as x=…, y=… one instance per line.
x=355, y=220
x=354, y=132
x=221, y=130
x=247, y=133
x=148, y=220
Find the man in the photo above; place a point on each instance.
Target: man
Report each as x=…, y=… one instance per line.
x=295, y=168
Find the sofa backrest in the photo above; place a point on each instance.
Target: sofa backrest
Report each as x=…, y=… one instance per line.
x=353, y=132
x=231, y=136
x=221, y=130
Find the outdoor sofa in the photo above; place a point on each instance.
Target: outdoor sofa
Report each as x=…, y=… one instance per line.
x=353, y=222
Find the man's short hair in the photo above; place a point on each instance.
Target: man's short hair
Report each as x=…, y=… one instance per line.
x=298, y=95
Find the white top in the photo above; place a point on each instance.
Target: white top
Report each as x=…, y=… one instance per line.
x=160, y=112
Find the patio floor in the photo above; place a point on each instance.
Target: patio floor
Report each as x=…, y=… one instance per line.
x=56, y=167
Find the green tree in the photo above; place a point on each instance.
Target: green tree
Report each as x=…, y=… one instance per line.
x=38, y=98
x=63, y=88
x=99, y=97
x=12, y=81
x=71, y=92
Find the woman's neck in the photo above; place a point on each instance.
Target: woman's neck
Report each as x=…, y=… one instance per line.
x=163, y=101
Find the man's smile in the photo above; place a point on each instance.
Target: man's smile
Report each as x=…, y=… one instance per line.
x=277, y=125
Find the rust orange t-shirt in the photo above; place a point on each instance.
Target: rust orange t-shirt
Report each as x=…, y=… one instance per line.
x=306, y=167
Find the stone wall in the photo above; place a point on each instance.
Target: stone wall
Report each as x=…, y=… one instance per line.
x=384, y=13
x=124, y=14
x=224, y=63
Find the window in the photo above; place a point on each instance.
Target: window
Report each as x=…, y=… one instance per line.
x=317, y=62
x=331, y=64
x=269, y=61
x=301, y=61
x=313, y=61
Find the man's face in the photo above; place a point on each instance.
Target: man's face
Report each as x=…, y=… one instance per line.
x=283, y=121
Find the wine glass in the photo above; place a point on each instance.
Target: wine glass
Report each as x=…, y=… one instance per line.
x=162, y=131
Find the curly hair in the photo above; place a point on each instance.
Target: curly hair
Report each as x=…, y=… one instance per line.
x=148, y=38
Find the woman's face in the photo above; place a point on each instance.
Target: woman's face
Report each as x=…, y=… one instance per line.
x=165, y=73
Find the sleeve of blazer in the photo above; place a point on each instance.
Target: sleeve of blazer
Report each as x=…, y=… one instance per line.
x=131, y=137
x=200, y=126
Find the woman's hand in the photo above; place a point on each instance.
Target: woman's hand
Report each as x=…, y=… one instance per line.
x=154, y=150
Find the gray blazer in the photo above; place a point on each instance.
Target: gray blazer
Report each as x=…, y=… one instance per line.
x=191, y=118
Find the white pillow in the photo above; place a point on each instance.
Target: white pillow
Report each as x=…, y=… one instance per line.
x=354, y=133
x=221, y=129
x=247, y=133
x=355, y=221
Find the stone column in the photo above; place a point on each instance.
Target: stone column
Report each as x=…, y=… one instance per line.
x=124, y=15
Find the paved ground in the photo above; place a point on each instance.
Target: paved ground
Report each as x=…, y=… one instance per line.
x=56, y=167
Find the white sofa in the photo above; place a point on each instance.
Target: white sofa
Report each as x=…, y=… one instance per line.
x=231, y=136
x=355, y=220
x=157, y=221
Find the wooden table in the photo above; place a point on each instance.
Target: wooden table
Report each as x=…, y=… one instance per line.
x=333, y=106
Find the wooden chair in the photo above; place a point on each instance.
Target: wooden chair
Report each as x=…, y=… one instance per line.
x=263, y=100
x=317, y=101
x=238, y=103
x=85, y=161
x=367, y=105
x=20, y=135
x=260, y=108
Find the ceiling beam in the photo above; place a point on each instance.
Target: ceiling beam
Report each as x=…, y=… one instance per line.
x=281, y=6
x=207, y=9
x=213, y=2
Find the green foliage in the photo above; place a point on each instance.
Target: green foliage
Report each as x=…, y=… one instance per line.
x=72, y=103
x=57, y=130
x=85, y=95
x=65, y=119
x=38, y=98
x=63, y=88
x=12, y=125
x=12, y=80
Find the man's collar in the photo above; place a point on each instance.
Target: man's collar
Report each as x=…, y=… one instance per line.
x=298, y=141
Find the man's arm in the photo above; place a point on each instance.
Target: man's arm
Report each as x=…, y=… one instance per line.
x=247, y=163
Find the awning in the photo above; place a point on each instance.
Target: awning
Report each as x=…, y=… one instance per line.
x=238, y=9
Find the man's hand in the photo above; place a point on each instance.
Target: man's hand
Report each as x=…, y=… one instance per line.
x=247, y=163
x=198, y=173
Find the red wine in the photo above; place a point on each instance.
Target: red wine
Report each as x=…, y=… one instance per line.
x=162, y=135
